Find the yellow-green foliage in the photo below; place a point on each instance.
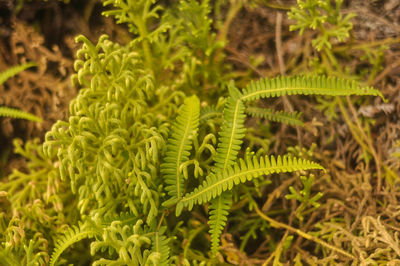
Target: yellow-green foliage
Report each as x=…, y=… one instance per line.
x=136, y=149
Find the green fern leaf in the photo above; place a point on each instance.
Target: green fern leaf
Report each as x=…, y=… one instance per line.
x=230, y=140
x=320, y=85
x=160, y=245
x=243, y=171
x=12, y=71
x=277, y=116
x=73, y=235
x=179, y=146
x=11, y=112
x=125, y=218
x=207, y=113
x=219, y=210
x=15, y=113
x=232, y=130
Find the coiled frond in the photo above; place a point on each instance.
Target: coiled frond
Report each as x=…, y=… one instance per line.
x=244, y=170
x=276, y=116
x=179, y=145
x=131, y=243
x=301, y=85
x=110, y=147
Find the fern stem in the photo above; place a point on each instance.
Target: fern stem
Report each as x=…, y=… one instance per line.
x=305, y=235
x=142, y=28
x=233, y=10
x=366, y=45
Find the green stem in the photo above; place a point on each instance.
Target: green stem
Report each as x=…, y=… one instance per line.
x=141, y=25
x=368, y=45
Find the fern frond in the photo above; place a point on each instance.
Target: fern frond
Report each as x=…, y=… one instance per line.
x=207, y=113
x=179, y=146
x=253, y=167
x=7, y=258
x=276, y=116
x=302, y=85
x=232, y=130
x=160, y=246
x=12, y=71
x=73, y=235
x=125, y=218
x=219, y=210
x=230, y=140
x=15, y=113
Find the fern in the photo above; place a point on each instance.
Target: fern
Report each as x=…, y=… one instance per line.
x=319, y=85
x=219, y=210
x=11, y=112
x=114, y=158
x=277, y=116
x=179, y=146
x=232, y=130
x=12, y=71
x=160, y=247
x=226, y=172
x=123, y=217
x=131, y=243
x=322, y=16
x=15, y=113
x=207, y=113
x=230, y=140
x=241, y=172
x=71, y=236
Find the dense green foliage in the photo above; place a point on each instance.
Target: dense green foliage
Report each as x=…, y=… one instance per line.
x=145, y=147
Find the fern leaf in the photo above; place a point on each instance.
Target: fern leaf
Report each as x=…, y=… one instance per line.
x=319, y=85
x=207, y=113
x=73, y=235
x=253, y=167
x=7, y=258
x=232, y=130
x=15, y=113
x=179, y=146
x=124, y=218
x=277, y=116
x=160, y=245
x=12, y=71
x=230, y=140
x=218, y=216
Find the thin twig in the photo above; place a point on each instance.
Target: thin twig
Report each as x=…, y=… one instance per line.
x=276, y=193
x=278, y=225
x=278, y=42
